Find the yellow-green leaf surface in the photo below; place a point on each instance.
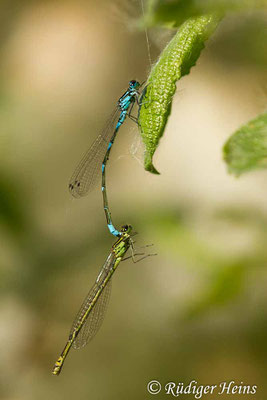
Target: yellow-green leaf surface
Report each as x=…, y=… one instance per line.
x=175, y=61
x=246, y=149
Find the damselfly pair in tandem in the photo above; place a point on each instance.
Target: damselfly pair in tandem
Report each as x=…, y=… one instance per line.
x=92, y=311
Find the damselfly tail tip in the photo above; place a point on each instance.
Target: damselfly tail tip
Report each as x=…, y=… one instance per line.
x=57, y=366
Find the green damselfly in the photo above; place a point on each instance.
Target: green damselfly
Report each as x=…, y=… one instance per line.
x=86, y=173
x=92, y=311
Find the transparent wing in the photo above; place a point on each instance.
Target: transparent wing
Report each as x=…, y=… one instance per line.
x=93, y=309
x=87, y=172
x=95, y=319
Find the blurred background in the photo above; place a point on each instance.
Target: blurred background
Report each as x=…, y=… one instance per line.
x=198, y=309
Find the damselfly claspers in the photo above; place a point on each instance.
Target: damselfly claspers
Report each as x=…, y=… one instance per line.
x=86, y=173
x=92, y=311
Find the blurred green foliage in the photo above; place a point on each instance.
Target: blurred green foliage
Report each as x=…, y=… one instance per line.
x=243, y=42
x=174, y=12
x=13, y=213
x=246, y=149
x=226, y=273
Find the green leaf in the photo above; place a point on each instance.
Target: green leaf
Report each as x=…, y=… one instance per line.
x=246, y=149
x=174, y=13
x=175, y=61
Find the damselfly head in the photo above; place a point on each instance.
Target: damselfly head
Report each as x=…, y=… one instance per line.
x=126, y=228
x=134, y=84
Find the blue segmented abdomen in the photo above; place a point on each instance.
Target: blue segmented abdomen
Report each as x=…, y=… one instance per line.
x=113, y=230
x=124, y=104
x=121, y=119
